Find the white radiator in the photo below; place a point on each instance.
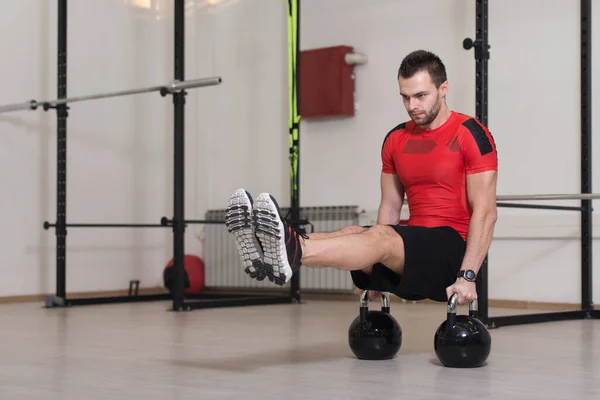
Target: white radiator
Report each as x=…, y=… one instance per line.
x=224, y=269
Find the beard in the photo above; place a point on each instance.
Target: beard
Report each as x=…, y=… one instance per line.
x=428, y=117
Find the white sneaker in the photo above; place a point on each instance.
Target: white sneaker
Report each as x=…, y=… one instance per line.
x=280, y=242
x=238, y=219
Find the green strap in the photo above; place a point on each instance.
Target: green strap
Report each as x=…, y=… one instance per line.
x=294, y=117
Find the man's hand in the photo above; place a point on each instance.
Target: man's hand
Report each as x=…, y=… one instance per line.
x=467, y=291
x=373, y=295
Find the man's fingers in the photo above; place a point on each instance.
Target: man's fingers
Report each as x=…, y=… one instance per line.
x=464, y=294
x=450, y=291
x=465, y=297
x=468, y=297
x=373, y=295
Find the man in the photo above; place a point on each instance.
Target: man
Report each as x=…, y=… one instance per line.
x=446, y=164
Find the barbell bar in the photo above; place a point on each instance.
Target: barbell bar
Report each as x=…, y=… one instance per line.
x=171, y=87
x=574, y=196
x=525, y=197
x=177, y=86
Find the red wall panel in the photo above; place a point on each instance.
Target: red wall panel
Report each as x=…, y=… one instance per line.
x=326, y=83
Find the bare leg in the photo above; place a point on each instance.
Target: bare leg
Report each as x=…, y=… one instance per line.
x=284, y=250
x=373, y=294
x=349, y=230
x=344, y=231
x=378, y=244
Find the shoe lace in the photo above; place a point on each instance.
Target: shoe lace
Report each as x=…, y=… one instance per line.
x=301, y=234
x=296, y=232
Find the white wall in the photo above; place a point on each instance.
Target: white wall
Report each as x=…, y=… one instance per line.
x=534, y=115
x=236, y=133
x=245, y=138
x=118, y=149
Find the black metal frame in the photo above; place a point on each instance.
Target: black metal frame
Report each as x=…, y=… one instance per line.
x=481, y=46
x=294, y=9
x=180, y=300
x=61, y=158
x=482, y=55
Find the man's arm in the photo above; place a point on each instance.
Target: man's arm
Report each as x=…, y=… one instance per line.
x=480, y=156
x=481, y=194
x=392, y=199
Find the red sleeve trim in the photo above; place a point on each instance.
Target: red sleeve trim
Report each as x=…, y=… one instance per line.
x=483, y=168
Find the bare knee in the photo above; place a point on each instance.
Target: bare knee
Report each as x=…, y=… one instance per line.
x=385, y=235
x=389, y=246
x=382, y=231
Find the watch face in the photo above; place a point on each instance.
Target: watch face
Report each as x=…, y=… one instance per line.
x=468, y=274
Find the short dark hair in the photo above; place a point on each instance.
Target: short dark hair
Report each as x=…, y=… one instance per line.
x=422, y=60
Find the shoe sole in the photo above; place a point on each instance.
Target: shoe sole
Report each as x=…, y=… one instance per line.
x=270, y=230
x=238, y=219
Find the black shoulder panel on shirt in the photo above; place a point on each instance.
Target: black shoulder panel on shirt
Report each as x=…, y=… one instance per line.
x=482, y=140
x=399, y=126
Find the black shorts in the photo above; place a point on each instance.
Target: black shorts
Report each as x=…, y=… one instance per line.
x=433, y=257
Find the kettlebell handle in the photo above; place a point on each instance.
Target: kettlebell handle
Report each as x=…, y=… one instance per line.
x=364, y=299
x=473, y=308
x=452, y=303
x=385, y=301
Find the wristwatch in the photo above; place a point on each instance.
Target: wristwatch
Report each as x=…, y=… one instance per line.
x=468, y=274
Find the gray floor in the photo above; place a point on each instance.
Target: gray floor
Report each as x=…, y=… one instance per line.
x=140, y=351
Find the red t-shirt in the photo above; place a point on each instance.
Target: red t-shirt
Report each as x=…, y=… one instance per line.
x=433, y=166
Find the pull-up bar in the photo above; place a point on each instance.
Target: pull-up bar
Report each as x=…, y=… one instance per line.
x=171, y=87
x=575, y=196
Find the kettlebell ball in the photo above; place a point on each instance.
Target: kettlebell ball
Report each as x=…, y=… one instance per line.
x=375, y=335
x=462, y=341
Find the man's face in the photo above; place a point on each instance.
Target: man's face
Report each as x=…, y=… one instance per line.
x=421, y=98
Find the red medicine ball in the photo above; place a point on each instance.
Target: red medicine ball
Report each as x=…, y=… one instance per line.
x=194, y=274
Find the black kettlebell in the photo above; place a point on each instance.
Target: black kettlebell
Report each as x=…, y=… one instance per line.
x=462, y=341
x=375, y=335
